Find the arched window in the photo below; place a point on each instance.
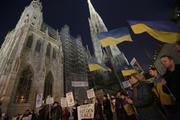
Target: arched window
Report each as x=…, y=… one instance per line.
x=29, y=41
x=38, y=46
x=54, y=53
x=24, y=85
x=48, y=85
x=48, y=50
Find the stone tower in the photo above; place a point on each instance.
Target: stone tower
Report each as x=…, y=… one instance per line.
x=31, y=62
x=96, y=26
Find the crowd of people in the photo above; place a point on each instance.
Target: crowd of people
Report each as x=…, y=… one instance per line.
x=143, y=100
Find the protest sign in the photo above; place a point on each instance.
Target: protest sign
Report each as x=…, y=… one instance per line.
x=70, y=99
x=136, y=65
x=86, y=111
x=90, y=93
x=64, y=102
x=39, y=100
x=126, y=84
x=49, y=100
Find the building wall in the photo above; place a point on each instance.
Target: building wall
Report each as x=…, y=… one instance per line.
x=17, y=56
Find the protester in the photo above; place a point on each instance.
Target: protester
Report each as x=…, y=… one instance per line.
x=98, y=115
x=143, y=99
x=128, y=113
x=44, y=112
x=56, y=112
x=85, y=102
x=34, y=115
x=107, y=108
x=75, y=115
x=178, y=46
x=157, y=77
x=172, y=81
x=26, y=115
x=119, y=107
x=66, y=114
x=113, y=107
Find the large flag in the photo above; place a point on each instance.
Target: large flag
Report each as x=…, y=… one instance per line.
x=114, y=37
x=127, y=70
x=164, y=31
x=97, y=66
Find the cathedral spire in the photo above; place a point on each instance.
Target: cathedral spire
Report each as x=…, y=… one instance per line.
x=96, y=26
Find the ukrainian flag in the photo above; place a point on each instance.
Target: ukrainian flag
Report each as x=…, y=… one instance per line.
x=164, y=31
x=96, y=66
x=127, y=70
x=114, y=37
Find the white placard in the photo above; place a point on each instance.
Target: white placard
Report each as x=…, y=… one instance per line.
x=133, y=61
x=49, y=100
x=86, y=111
x=90, y=93
x=136, y=66
x=63, y=102
x=70, y=99
x=126, y=84
x=39, y=100
x=79, y=84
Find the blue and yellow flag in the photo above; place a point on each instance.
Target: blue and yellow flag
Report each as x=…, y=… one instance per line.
x=96, y=66
x=164, y=31
x=127, y=70
x=114, y=37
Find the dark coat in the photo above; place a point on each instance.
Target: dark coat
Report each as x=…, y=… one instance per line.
x=107, y=109
x=75, y=115
x=56, y=113
x=98, y=115
x=143, y=100
x=173, y=81
x=120, y=112
x=44, y=113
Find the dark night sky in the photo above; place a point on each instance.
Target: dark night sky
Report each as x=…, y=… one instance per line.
x=74, y=13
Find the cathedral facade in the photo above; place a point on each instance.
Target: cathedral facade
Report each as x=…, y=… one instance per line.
x=31, y=62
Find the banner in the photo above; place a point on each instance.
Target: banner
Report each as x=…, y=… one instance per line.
x=49, y=100
x=136, y=66
x=63, y=102
x=79, y=84
x=86, y=111
x=70, y=99
x=90, y=93
x=39, y=100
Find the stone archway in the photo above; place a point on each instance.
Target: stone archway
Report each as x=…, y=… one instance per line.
x=24, y=85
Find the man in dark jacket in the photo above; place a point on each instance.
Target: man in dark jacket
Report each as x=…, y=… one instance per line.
x=172, y=81
x=56, y=112
x=75, y=115
x=121, y=115
x=107, y=108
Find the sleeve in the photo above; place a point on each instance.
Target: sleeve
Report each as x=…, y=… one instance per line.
x=145, y=96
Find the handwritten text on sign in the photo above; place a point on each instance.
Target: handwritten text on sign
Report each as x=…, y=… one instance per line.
x=86, y=111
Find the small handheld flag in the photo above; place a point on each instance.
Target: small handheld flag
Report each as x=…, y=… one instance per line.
x=114, y=37
x=93, y=66
x=127, y=70
x=164, y=31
